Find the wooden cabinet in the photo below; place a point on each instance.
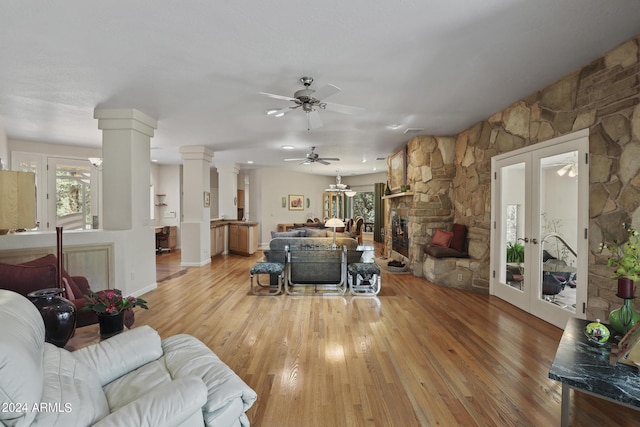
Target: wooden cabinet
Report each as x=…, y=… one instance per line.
x=243, y=238
x=333, y=205
x=217, y=239
x=172, y=241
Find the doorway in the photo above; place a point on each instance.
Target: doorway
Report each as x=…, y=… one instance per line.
x=539, y=234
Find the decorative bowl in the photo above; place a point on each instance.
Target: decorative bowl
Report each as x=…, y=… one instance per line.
x=597, y=333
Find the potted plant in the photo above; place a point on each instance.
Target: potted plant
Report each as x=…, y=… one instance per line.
x=625, y=261
x=111, y=306
x=515, y=252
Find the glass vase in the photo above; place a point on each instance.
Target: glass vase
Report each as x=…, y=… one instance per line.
x=623, y=318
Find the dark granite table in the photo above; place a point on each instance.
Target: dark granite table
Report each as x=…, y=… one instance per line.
x=584, y=366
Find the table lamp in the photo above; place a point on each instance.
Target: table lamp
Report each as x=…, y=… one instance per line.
x=17, y=200
x=334, y=223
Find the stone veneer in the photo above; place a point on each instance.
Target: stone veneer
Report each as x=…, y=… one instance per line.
x=450, y=176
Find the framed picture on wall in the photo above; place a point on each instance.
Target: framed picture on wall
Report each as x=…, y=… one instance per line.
x=296, y=202
x=398, y=169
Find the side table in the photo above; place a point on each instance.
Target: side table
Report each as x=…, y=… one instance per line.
x=84, y=337
x=582, y=366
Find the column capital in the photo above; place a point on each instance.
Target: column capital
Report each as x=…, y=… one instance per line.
x=223, y=167
x=125, y=119
x=196, y=152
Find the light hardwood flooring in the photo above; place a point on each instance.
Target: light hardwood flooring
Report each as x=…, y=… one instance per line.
x=416, y=355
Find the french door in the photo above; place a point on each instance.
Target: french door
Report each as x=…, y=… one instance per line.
x=539, y=233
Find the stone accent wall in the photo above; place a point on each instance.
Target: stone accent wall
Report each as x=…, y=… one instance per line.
x=452, y=184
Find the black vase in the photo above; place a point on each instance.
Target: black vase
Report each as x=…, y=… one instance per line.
x=59, y=315
x=110, y=324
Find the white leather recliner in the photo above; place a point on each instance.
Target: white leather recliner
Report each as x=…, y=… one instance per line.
x=131, y=379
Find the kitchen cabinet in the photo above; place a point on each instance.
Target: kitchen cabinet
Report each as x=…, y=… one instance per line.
x=243, y=238
x=217, y=238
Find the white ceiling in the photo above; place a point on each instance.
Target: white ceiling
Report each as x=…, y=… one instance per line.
x=198, y=67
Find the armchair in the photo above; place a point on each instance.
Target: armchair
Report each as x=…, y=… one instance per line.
x=132, y=379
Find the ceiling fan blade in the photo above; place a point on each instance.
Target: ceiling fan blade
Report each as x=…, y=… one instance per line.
x=340, y=108
x=294, y=160
x=326, y=91
x=321, y=161
x=284, y=98
x=314, y=119
x=333, y=159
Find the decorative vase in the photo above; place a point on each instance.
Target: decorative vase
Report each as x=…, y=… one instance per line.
x=59, y=315
x=387, y=190
x=623, y=318
x=110, y=324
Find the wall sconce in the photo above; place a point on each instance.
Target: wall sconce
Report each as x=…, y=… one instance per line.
x=17, y=200
x=96, y=162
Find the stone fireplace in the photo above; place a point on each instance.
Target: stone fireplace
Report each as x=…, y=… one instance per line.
x=400, y=231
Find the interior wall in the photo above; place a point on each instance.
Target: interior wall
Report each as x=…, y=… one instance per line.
x=603, y=96
x=275, y=185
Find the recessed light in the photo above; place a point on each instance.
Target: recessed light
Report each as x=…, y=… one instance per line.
x=395, y=126
x=271, y=112
x=250, y=162
x=364, y=160
x=287, y=147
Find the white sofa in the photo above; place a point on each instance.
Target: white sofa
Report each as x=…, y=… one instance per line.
x=131, y=379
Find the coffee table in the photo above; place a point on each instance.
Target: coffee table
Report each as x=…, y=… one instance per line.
x=84, y=337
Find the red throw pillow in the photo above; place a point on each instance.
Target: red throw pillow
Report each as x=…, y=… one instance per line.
x=25, y=279
x=458, y=242
x=441, y=238
x=51, y=259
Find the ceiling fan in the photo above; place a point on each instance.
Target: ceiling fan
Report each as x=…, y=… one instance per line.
x=313, y=157
x=311, y=100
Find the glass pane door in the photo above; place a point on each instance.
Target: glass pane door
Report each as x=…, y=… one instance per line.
x=557, y=225
x=539, y=237
x=511, y=231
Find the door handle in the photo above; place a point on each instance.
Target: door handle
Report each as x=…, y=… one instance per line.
x=534, y=241
x=525, y=239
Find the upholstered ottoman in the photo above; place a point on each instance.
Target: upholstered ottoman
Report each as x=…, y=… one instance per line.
x=364, y=278
x=273, y=269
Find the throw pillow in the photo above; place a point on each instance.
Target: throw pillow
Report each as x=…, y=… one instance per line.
x=24, y=279
x=441, y=238
x=458, y=241
x=51, y=259
x=69, y=293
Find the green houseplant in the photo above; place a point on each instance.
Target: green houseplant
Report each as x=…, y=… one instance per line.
x=625, y=260
x=515, y=252
x=625, y=256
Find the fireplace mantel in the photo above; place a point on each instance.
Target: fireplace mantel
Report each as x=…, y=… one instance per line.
x=392, y=196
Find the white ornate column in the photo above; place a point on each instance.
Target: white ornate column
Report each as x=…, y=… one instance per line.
x=195, y=233
x=126, y=174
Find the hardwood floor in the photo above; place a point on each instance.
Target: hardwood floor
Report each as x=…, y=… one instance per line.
x=416, y=355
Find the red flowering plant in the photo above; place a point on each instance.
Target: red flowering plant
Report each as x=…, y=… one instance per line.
x=111, y=301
